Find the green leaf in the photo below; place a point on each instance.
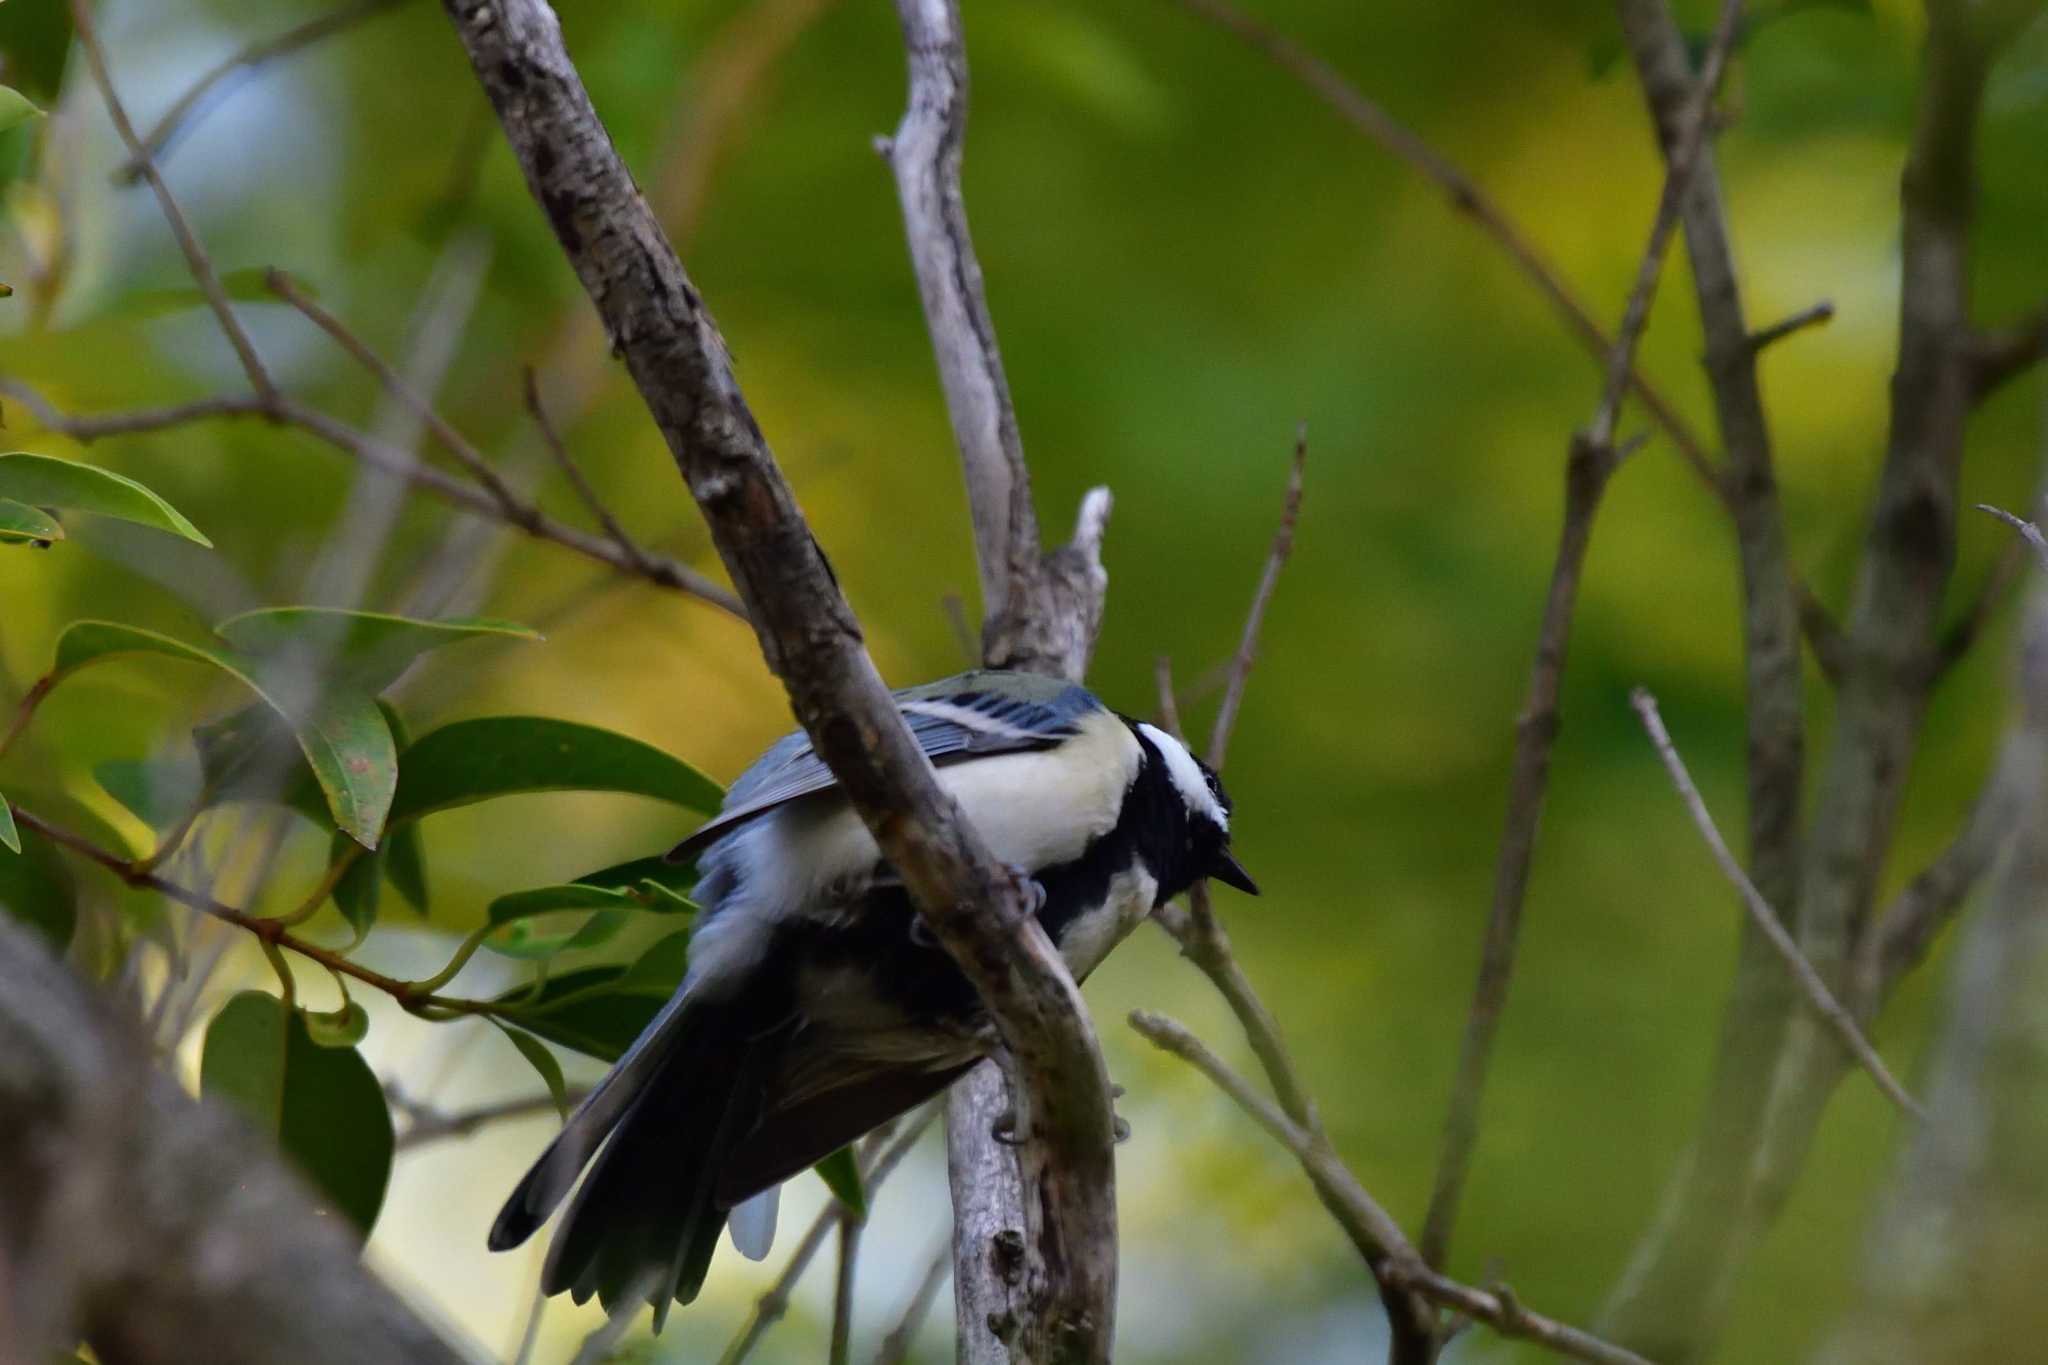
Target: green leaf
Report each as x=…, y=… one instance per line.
x=841, y=1174
x=547, y=900
x=369, y=648
x=322, y=1104
x=579, y=1010
x=47, y=481
x=658, y=971
x=360, y=886
x=526, y=941
x=344, y=1027
x=21, y=522
x=15, y=108
x=676, y=878
x=36, y=887
x=341, y=732
x=475, y=760
x=536, y=1052
x=9, y=835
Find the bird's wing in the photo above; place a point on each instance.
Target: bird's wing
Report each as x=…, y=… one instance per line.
x=973, y=715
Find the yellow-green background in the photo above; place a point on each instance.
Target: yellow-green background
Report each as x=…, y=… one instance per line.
x=1185, y=254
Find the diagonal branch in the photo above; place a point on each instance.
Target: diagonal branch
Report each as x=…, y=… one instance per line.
x=656, y=569
x=1810, y=983
x=1590, y=463
x=188, y=241
x=1372, y=1230
x=810, y=639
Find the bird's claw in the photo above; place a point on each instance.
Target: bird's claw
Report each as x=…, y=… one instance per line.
x=1032, y=888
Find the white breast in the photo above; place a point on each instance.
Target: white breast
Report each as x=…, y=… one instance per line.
x=1034, y=809
x=1092, y=934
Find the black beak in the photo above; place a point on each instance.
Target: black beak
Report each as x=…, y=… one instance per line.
x=1230, y=872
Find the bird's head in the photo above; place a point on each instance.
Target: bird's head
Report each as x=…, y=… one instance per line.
x=1204, y=817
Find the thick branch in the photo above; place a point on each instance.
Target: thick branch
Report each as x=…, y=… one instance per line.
x=976, y=909
x=220, y=1255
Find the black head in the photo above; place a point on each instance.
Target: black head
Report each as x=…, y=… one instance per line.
x=1194, y=819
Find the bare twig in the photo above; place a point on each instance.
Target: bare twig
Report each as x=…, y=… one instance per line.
x=1998, y=357
x=876, y=1163
x=184, y=111
x=425, y=1124
x=515, y=508
x=270, y=932
x=1248, y=642
x=2027, y=529
x=1590, y=463
x=659, y=570
x=567, y=463
x=1378, y=1238
x=895, y=1347
x=1810, y=983
x=1814, y=315
x=196, y=258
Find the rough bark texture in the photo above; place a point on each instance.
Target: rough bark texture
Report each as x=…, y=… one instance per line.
x=1039, y=614
x=157, y=1229
x=657, y=322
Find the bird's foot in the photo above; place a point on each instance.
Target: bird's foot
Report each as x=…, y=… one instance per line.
x=1033, y=889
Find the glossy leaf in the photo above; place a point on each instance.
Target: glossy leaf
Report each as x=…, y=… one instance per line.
x=10, y=837
x=360, y=886
x=369, y=648
x=547, y=900
x=21, y=522
x=543, y=1061
x=322, y=1104
x=677, y=878
x=579, y=1010
x=658, y=971
x=15, y=108
x=475, y=760
x=526, y=940
x=341, y=732
x=47, y=481
x=36, y=888
x=841, y=1174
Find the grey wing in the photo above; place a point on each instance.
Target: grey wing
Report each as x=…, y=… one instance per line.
x=971, y=715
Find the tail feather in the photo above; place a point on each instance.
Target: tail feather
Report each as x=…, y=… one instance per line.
x=648, y=1216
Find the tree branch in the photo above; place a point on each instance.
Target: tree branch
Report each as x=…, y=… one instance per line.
x=1038, y=614
x=810, y=639
x=1378, y=1238
x=1590, y=462
x=220, y=1254
x=196, y=258
x=1810, y=983
x=184, y=111
x=659, y=570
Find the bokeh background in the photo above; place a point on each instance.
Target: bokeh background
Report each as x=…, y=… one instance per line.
x=1186, y=255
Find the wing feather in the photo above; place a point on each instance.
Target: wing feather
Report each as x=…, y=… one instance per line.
x=969, y=716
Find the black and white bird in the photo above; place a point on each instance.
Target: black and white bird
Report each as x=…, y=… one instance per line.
x=815, y=1005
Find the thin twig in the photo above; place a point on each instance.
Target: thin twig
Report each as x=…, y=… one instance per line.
x=427, y=1124
x=196, y=258
x=895, y=1347
x=270, y=932
x=657, y=569
x=770, y=1307
x=1997, y=357
x=2027, y=529
x=1248, y=641
x=553, y=440
x=1590, y=463
x=1815, y=315
x=1465, y=197
x=1815, y=989
x=516, y=509
x=183, y=112
x=1373, y=1231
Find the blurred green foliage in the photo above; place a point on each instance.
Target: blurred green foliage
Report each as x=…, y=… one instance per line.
x=1185, y=254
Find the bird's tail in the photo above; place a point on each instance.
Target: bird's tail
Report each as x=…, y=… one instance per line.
x=648, y=1217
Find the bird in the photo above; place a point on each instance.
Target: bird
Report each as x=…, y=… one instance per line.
x=816, y=1005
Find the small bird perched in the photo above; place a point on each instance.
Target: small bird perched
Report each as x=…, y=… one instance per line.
x=816, y=1006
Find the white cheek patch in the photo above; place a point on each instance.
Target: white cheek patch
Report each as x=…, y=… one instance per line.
x=1187, y=775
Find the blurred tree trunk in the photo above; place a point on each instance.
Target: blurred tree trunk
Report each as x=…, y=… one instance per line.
x=1952, y=1271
